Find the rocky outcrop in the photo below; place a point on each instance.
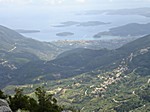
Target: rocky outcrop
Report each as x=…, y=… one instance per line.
x=4, y=106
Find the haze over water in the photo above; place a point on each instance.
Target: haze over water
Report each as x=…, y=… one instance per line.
x=43, y=15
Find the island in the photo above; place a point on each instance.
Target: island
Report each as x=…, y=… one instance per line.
x=66, y=24
x=131, y=29
x=92, y=23
x=84, y=24
x=63, y=34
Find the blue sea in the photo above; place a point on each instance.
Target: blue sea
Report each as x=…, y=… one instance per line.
x=45, y=20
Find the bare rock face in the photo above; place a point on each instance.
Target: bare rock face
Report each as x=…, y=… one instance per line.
x=4, y=107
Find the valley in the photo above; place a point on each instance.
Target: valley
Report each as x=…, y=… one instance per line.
x=18, y=53
x=75, y=56
x=85, y=77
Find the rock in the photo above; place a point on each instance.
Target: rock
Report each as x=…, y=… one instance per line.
x=66, y=111
x=5, y=109
x=4, y=106
x=3, y=103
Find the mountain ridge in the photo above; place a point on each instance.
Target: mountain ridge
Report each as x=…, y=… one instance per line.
x=74, y=62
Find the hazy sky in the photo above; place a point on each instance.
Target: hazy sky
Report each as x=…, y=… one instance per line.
x=67, y=2
x=64, y=1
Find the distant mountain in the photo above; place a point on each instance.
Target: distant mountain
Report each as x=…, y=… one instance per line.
x=136, y=11
x=27, y=31
x=132, y=29
x=145, y=11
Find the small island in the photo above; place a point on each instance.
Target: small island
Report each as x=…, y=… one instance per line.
x=92, y=23
x=66, y=24
x=63, y=34
x=78, y=24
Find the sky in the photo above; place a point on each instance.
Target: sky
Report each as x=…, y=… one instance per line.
x=14, y=8
x=19, y=5
x=67, y=2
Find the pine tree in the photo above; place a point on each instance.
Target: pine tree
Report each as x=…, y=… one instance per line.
x=47, y=103
x=2, y=95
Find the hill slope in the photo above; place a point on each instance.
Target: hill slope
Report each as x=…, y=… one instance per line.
x=118, y=82
x=13, y=42
x=17, y=50
x=75, y=62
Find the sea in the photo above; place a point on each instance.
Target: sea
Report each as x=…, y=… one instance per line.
x=45, y=20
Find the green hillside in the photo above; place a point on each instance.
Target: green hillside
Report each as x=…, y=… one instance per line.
x=72, y=63
x=13, y=42
x=89, y=80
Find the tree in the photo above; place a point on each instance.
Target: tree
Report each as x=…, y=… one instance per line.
x=2, y=95
x=19, y=101
x=46, y=102
x=32, y=105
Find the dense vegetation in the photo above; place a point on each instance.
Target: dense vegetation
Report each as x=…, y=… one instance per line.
x=89, y=80
x=43, y=103
x=100, y=91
